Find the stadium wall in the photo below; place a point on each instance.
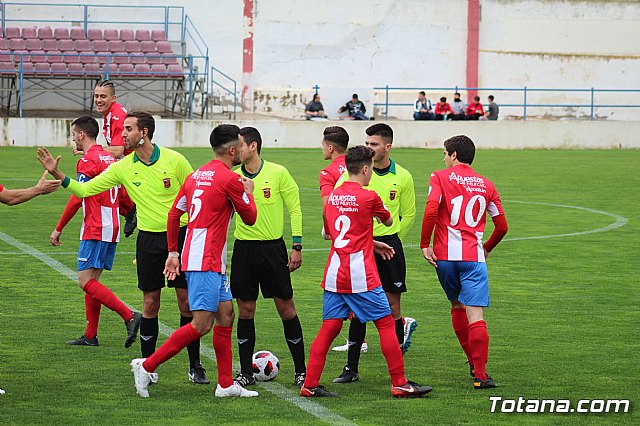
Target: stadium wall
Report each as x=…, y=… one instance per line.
x=302, y=134
x=347, y=47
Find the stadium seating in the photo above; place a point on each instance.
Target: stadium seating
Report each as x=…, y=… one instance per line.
x=71, y=53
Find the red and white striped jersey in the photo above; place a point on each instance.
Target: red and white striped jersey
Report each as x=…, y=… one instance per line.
x=464, y=198
x=351, y=267
x=113, y=125
x=210, y=195
x=101, y=212
x=330, y=175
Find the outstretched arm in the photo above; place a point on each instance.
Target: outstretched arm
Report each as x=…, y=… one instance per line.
x=16, y=196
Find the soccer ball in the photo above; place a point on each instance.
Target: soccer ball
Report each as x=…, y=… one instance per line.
x=265, y=366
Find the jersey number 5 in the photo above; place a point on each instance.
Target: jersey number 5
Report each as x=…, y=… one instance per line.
x=196, y=204
x=468, y=211
x=342, y=225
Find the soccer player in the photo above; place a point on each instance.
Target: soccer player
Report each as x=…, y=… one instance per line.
x=458, y=201
x=351, y=282
x=394, y=185
x=99, y=235
x=11, y=197
x=16, y=196
x=152, y=176
x=210, y=195
x=260, y=260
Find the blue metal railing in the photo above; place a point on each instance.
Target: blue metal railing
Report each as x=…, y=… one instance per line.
x=592, y=105
x=233, y=92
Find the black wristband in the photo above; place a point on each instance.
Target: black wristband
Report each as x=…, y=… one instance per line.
x=297, y=247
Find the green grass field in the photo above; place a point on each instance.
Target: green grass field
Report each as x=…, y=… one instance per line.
x=563, y=320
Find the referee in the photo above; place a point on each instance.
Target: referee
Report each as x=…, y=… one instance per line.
x=394, y=184
x=152, y=177
x=260, y=259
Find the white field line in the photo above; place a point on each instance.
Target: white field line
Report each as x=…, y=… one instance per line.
x=276, y=389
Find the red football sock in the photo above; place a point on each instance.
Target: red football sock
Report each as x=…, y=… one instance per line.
x=461, y=327
x=479, y=346
x=107, y=298
x=389, y=344
x=92, y=313
x=179, y=340
x=318, y=353
x=224, y=358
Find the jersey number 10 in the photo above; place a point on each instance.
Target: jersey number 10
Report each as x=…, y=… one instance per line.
x=471, y=221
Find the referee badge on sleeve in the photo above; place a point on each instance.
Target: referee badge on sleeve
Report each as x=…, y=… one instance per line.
x=167, y=182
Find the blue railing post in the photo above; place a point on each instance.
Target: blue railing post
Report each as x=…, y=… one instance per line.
x=86, y=20
x=592, y=103
x=3, y=18
x=386, y=102
x=456, y=89
x=525, y=104
x=190, y=87
x=106, y=67
x=235, y=98
x=21, y=82
x=316, y=87
x=166, y=21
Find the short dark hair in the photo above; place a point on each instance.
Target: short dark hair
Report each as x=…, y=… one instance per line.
x=355, y=95
x=145, y=121
x=88, y=125
x=476, y=98
x=422, y=93
x=456, y=94
x=108, y=84
x=382, y=130
x=443, y=99
x=315, y=95
x=490, y=97
x=223, y=134
x=463, y=146
x=336, y=136
x=251, y=134
x=357, y=157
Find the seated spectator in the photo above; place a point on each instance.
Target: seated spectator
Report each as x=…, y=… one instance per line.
x=492, y=110
x=459, y=108
x=475, y=110
x=314, y=109
x=422, y=109
x=356, y=108
x=443, y=109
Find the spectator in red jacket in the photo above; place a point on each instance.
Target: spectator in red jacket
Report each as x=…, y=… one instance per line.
x=475, y=110
x=443, y=109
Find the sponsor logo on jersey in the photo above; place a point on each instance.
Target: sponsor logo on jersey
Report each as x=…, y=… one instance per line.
x=245, y=198
x=342, y=169
x=167, y=182
x=392, y=194
x=266, y=192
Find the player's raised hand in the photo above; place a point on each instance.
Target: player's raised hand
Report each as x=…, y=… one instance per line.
x=46, y=159
x=428, y=254
x=77, y=151
x=45, y=186
x=383, y=249
x=248, y=185
x=54, y=239
x=172, y=268
x=295, y=260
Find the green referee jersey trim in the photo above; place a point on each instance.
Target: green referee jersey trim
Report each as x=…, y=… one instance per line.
x=392, y=169
x=274, y=188
x=249, y=175
x=152, y=187
x=155, y=156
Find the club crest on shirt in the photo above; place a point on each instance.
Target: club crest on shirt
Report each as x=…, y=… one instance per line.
x=266, y=192
x=392, y=194
x=167, y=182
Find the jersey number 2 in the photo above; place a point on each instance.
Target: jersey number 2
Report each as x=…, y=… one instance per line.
x=468, y=211
x=342, y=225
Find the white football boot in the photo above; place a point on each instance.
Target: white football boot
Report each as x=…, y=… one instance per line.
x=141, y=377
x=234, y=390
x=344, y=348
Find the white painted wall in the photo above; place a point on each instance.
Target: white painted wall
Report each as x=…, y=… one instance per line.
x=304, y=134
x=356, y=45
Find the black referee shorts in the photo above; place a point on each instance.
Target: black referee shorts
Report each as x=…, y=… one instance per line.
x=151, y=255
x=393, y=272
x=260, y=264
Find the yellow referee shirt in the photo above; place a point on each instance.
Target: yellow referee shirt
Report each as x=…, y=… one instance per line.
x=152, y=187
x=273, y=187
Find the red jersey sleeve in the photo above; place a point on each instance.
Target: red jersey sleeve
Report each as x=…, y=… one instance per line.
x=379, y=210
x=242, y=202
x=117, y=126
x=86, y=169
x=499, y=220
x=435, y=188
x=72, y=207
x=428, y=223
x=326, y=183
x=173, y=220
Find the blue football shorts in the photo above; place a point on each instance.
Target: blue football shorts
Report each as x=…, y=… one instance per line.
x=206, y=290
x=467, y=282
x=96, y=254
x=367, y=306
